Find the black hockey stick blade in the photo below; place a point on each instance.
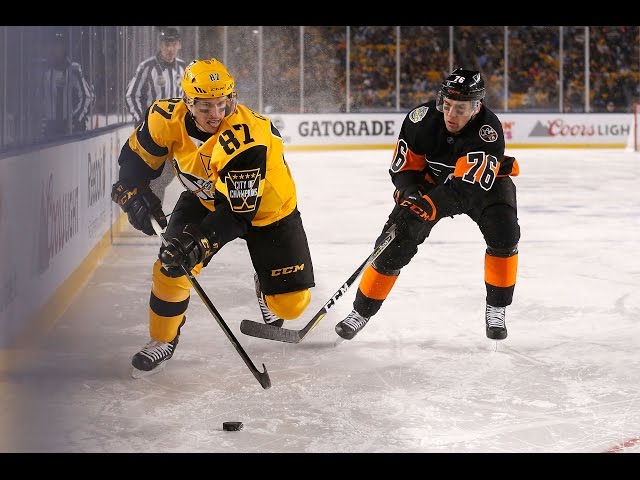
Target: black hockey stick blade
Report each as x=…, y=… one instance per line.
x=271, y=332
x=262, y=377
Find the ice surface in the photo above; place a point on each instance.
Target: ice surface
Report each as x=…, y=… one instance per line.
x=421, y=377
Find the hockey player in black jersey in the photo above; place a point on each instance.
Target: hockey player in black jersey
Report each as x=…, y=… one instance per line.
x=449, y=160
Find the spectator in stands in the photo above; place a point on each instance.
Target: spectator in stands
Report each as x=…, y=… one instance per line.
x=67, y=98
x=158, y=77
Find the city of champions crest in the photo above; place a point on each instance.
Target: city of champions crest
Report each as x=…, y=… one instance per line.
x=243, y=186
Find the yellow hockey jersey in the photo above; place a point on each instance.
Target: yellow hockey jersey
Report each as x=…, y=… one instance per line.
x=242, y=165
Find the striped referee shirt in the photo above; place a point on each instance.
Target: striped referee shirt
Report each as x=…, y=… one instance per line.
x=154, y=79
x=65, y=92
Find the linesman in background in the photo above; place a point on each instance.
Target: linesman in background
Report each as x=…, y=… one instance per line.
x=67, y=97
x=157, y=77
x=449, y=160
x=238, y=184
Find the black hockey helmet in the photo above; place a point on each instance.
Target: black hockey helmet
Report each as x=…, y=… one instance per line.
x=462, y=84
x=169, y=34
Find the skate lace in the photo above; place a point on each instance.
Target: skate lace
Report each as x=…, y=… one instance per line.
x=355, y=321
x=157, y=350
x=495, y=316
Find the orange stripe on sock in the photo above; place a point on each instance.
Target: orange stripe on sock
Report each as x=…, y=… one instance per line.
x=500, y=272
x=376, y=285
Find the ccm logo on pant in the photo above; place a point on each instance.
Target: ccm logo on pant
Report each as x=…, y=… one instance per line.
x=286, y=270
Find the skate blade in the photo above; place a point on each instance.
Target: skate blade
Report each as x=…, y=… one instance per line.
x=338, y=341
x=135, y=373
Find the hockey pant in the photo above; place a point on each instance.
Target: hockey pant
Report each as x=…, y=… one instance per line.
x=499, y=225
x=286, y=291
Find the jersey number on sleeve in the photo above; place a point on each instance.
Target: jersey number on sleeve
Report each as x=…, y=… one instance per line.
x=171, y=107
x=400, y=158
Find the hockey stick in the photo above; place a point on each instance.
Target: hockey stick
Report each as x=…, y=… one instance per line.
x=271, y=332
x=262, y=377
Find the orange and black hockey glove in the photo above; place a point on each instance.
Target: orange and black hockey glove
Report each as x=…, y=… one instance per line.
x=415, y=216
x=420, y=206
x=139, y=203
x=401, y=192
x=188, y=248
x=411, y=199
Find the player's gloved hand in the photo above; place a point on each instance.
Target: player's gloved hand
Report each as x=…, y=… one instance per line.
x=188, y=248
x=415, y=216
x=420, y=206
x=139, y=203
x=401, y=192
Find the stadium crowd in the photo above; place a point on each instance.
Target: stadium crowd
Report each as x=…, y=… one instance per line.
x=295, y=69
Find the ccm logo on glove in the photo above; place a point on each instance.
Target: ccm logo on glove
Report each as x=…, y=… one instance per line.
x=421, y=206
x=139, y=203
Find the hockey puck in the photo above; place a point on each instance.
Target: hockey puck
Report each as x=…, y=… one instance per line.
x=232, y=426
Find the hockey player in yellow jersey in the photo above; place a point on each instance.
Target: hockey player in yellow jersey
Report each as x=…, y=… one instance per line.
x=237, y=183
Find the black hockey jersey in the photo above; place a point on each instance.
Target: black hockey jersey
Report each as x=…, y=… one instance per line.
x=455, y=168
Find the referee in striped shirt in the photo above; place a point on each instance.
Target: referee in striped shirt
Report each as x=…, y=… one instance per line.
x=157, y=77
x=66, y=95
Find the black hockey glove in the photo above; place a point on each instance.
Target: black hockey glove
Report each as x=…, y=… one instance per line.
x=415, y=215
x=401, y=192
x=188, y=248
x=139, y=203
x=420, y=206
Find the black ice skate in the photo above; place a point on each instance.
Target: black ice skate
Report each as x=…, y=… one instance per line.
x=268, y=317
x=494, y=318
x=350, y=326
x=151, y=359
